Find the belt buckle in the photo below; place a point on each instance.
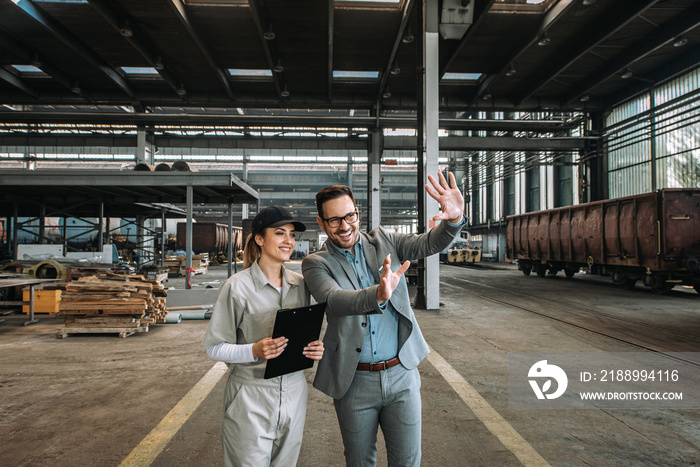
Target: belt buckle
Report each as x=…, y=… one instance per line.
x=382, y=364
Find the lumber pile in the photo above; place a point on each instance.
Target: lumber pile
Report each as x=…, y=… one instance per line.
x=112, y=302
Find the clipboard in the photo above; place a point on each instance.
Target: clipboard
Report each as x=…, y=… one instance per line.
x=300, y=325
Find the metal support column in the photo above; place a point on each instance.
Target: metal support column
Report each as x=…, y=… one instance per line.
x=141, y=145
x=42, y=224
x=428, y=147
x=188, y=238
x=140, y=257
x=652, y=140
x=374, y=187
x=244, y=206
x=15, y=218
x=163, y=229
x=100, y=240
x=348, y=177
x=230, y=237
x=65, y=236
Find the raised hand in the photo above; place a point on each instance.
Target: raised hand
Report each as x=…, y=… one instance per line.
x=450, y=199
x=314, y=350
x=389, y=279
x=269, y=348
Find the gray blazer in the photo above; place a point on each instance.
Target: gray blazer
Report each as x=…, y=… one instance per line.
x=330, y=278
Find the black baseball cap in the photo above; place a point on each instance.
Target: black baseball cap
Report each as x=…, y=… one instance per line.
x=274, y=216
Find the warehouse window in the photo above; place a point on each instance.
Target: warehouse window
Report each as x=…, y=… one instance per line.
x=246, y=73
x=140, y=72
x=60, y=1
x=355, y=75
x=653, y=141
x=521, y=6
x=532, y=181
x=461, y=76
x=28, y=70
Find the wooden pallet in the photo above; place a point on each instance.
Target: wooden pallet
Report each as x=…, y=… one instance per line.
x=123, y=332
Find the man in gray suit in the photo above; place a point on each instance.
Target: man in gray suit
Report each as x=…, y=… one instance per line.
x=373, y=342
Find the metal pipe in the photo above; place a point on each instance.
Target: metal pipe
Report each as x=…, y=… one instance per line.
x=196, y=315
x=230, y=236
x=173, y=318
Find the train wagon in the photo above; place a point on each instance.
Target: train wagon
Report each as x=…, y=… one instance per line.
x=209, y=237
x=653, y=238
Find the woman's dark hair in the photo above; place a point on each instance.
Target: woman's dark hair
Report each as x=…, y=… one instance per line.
x=329, y=193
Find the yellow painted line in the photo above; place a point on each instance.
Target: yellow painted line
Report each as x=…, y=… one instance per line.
x=496, y=424
x=153, y=444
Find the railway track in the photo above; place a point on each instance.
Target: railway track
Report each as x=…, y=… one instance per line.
x=579, y=317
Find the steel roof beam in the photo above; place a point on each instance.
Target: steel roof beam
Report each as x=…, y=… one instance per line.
x=406, y=14
x=551, y=17
x=258, y=10
x=624, y=13
x=17, y=82
x=291, y=121
x=206, y=185
x=72, y=41
x=181, y=13
x=331, y=26
x=30, y=56
x=639, y=84
x=448, y=143
x=681, y=24
x=117, y=19
x=450, y=54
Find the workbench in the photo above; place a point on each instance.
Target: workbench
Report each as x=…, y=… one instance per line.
x=7, y=280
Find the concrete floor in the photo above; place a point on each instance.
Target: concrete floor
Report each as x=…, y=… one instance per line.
x=90, y=399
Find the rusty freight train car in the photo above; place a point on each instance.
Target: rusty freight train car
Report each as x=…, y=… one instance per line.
x=209, y=237
x=653, y=238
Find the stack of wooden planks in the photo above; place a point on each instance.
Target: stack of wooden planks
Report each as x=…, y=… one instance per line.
x=112, y=303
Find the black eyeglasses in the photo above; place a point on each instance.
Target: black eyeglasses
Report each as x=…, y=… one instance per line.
x=349, y=218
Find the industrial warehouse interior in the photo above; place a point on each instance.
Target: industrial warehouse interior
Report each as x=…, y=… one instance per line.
x=139, y=141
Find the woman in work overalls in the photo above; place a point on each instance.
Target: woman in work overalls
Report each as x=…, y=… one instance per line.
x=263, y=419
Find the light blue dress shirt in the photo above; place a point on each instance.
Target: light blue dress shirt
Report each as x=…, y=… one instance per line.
x=382, y=336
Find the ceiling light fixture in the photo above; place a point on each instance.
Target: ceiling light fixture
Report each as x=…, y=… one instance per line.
x=278, y=68
x=181, y=91
x=511, y=71
x=585, y=98
x=487, y=96
x=125, y=30
x=285, y=92
x=76, y=88
x=588, y=2
x=543, y=40
x=269, y=35
x=680, y=41
x=627, y=74
x=395, y=70
x=408, y=37
x=158, y=64
x=386, y=94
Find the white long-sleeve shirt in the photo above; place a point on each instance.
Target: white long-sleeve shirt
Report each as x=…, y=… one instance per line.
x=231, y=353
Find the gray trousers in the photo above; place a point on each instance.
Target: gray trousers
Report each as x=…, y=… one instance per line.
x=263, y=420
x=390, y=399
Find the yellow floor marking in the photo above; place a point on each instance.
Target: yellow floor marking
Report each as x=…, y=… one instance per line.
x=153, y=444
x=496, y=424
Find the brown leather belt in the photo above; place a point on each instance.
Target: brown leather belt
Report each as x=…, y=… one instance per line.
x=380, y=366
